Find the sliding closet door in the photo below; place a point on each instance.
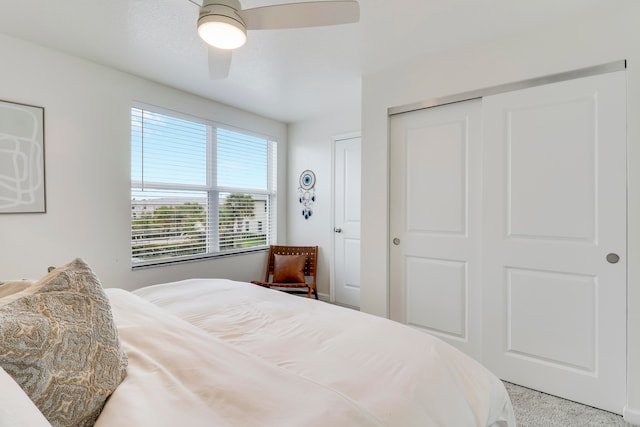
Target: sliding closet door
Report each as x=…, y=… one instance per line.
x=554, y=286
x=435, y=220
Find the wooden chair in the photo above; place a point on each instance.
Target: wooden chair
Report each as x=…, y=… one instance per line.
x=290, y=267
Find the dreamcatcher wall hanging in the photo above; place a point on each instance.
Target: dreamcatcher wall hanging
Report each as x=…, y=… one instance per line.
x=307, y=193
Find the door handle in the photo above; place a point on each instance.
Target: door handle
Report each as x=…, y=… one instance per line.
x=338, y=230
x=613, y=258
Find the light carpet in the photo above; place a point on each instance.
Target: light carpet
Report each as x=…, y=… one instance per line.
x=536, y=409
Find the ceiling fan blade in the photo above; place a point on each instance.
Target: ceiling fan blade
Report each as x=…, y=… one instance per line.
x=219, y=63
x=300, y=15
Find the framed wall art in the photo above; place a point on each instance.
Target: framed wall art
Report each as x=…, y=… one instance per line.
x=22, y=177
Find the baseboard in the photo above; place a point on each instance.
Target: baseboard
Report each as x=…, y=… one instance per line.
x=327, y=298
x=631, y=415
x=321, y=296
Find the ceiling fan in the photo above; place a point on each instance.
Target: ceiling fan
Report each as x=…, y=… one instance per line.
x=223, y=24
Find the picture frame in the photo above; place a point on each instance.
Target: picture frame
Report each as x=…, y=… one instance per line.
x=22, y=163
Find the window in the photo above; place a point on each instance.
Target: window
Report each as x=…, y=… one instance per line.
x=198, y=189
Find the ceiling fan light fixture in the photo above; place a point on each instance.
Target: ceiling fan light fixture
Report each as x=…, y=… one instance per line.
x=220, y=25
x=222, y=35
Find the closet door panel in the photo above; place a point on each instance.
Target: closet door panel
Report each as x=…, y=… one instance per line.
x=551, y=170
x=554, y=208
x=435, y=222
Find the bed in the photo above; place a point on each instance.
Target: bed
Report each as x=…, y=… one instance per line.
x=215, y=352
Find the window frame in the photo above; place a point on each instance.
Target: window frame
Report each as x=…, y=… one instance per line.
x=213, y=192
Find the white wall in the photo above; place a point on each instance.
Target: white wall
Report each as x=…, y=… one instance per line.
x=310, y=147
x=608, y=36
x=87, y=154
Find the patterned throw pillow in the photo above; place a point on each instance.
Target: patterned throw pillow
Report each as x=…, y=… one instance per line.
x=288, y=268
x=60, y=344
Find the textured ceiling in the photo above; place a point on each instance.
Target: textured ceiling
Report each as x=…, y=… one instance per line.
x=288, y=75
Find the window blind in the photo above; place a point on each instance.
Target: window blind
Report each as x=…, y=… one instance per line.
x=198, y=189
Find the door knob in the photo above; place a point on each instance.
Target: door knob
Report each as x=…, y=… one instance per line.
x=396, y=241
x=338, y=230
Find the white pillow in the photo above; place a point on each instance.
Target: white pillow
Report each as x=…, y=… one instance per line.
x=16, y=409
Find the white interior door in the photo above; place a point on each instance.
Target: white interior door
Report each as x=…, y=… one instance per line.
x=435, y=222
x=347, y=173
x=554, y=216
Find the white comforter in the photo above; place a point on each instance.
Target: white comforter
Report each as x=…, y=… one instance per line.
x=179, y=375
x=272, y=359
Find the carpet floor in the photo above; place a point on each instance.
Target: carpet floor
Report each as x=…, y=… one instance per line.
x=536, y=409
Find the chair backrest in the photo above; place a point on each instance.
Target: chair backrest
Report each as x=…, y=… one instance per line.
x=310, y=264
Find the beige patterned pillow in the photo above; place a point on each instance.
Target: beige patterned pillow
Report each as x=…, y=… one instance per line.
x=61, y=345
